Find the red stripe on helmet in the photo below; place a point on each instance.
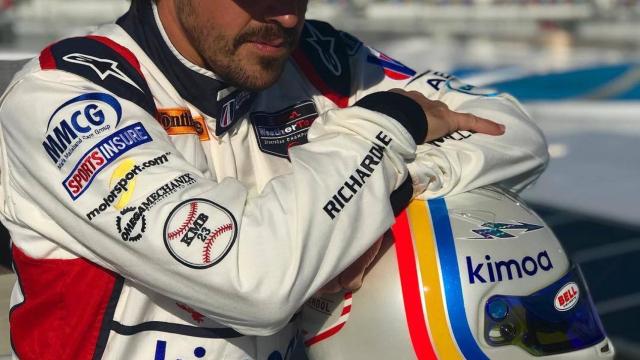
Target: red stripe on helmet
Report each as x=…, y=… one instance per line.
x=411, y=293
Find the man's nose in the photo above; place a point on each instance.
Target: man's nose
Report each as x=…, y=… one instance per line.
x=287, y=13
x=288, y=21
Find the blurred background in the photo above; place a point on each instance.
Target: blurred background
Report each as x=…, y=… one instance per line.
x=575, y=64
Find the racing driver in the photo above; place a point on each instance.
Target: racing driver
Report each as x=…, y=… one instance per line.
x=177, y=184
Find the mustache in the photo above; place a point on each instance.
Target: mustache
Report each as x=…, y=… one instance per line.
x=267, y=33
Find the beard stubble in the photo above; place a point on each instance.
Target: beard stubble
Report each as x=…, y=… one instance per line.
x=220, y=53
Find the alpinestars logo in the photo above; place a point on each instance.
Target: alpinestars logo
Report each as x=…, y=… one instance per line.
x=497, y=230
x=103, y=67
x=328, y=57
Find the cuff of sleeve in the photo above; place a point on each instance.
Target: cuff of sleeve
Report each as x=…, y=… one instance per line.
x=401, y=197
x=405, y=110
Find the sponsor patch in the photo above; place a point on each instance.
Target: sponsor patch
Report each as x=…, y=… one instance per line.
x=179, y=121
x=459, y=135
x=123, y=180
x=459, y=86
x=199, y=233
x=435, y=82
x=103, y=67
x=323, y=57
x=507, y=269
x=88, y=116
x=102, y=154
x=392, y=68
x=131, y=223
x=325, y=46
x=277, y=132
x=232, y=108
x=567, y=297
x=499, y=230
x=351, y=43
x=123, y=183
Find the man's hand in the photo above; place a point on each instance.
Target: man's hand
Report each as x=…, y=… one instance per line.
x=351, y=278
x=443, y=121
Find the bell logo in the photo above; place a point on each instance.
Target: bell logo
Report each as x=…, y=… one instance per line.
x=507, y=269
x=567, y=297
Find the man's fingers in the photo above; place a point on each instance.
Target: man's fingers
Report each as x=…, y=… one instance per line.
x=331, y=288
x=351, y=278
x=470, y=122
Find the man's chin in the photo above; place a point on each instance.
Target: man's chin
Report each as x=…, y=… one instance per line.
x=261, y=75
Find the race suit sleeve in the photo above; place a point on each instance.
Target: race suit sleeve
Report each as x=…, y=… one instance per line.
x=244, y=259
x=462, y=160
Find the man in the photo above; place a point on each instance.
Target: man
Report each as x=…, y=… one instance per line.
x=178, y=184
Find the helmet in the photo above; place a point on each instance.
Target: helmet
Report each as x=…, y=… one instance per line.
x=476, y=276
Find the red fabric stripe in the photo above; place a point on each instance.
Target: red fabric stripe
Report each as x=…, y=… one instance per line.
x=65, y=302
x=348, y=295
x=316, y=80
x=327, y=334
x=123, y=51
x=47, y=62
x=396, y=75
x=416, y=322
x=346, y=310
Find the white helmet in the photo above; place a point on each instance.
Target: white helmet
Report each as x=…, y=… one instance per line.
x=478, y=276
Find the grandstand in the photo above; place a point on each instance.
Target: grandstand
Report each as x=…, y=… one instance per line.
x=585, y=19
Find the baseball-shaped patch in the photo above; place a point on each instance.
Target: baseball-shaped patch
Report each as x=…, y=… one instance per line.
x=199, y=233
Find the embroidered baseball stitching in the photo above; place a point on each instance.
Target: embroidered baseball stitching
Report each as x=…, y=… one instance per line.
x=206, y=255
x=193, y=209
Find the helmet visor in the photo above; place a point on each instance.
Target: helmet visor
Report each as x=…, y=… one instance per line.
x=557, y=319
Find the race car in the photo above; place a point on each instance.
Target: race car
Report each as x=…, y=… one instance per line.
x=475, y=276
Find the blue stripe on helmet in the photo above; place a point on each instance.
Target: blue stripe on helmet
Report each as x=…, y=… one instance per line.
x=451, y=279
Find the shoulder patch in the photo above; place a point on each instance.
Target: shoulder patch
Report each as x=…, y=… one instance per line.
x=103, y=62
x=352, y=43
x=323, y=56
x=392, y=68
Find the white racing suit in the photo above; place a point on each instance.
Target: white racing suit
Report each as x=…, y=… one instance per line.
x=157, y=213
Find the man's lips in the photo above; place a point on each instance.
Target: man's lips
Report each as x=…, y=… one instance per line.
x=276, y=43
x=273, y=47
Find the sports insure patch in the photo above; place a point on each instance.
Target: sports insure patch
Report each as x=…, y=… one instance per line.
x=101, y=155
x=199, y=233
x=278, y=131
